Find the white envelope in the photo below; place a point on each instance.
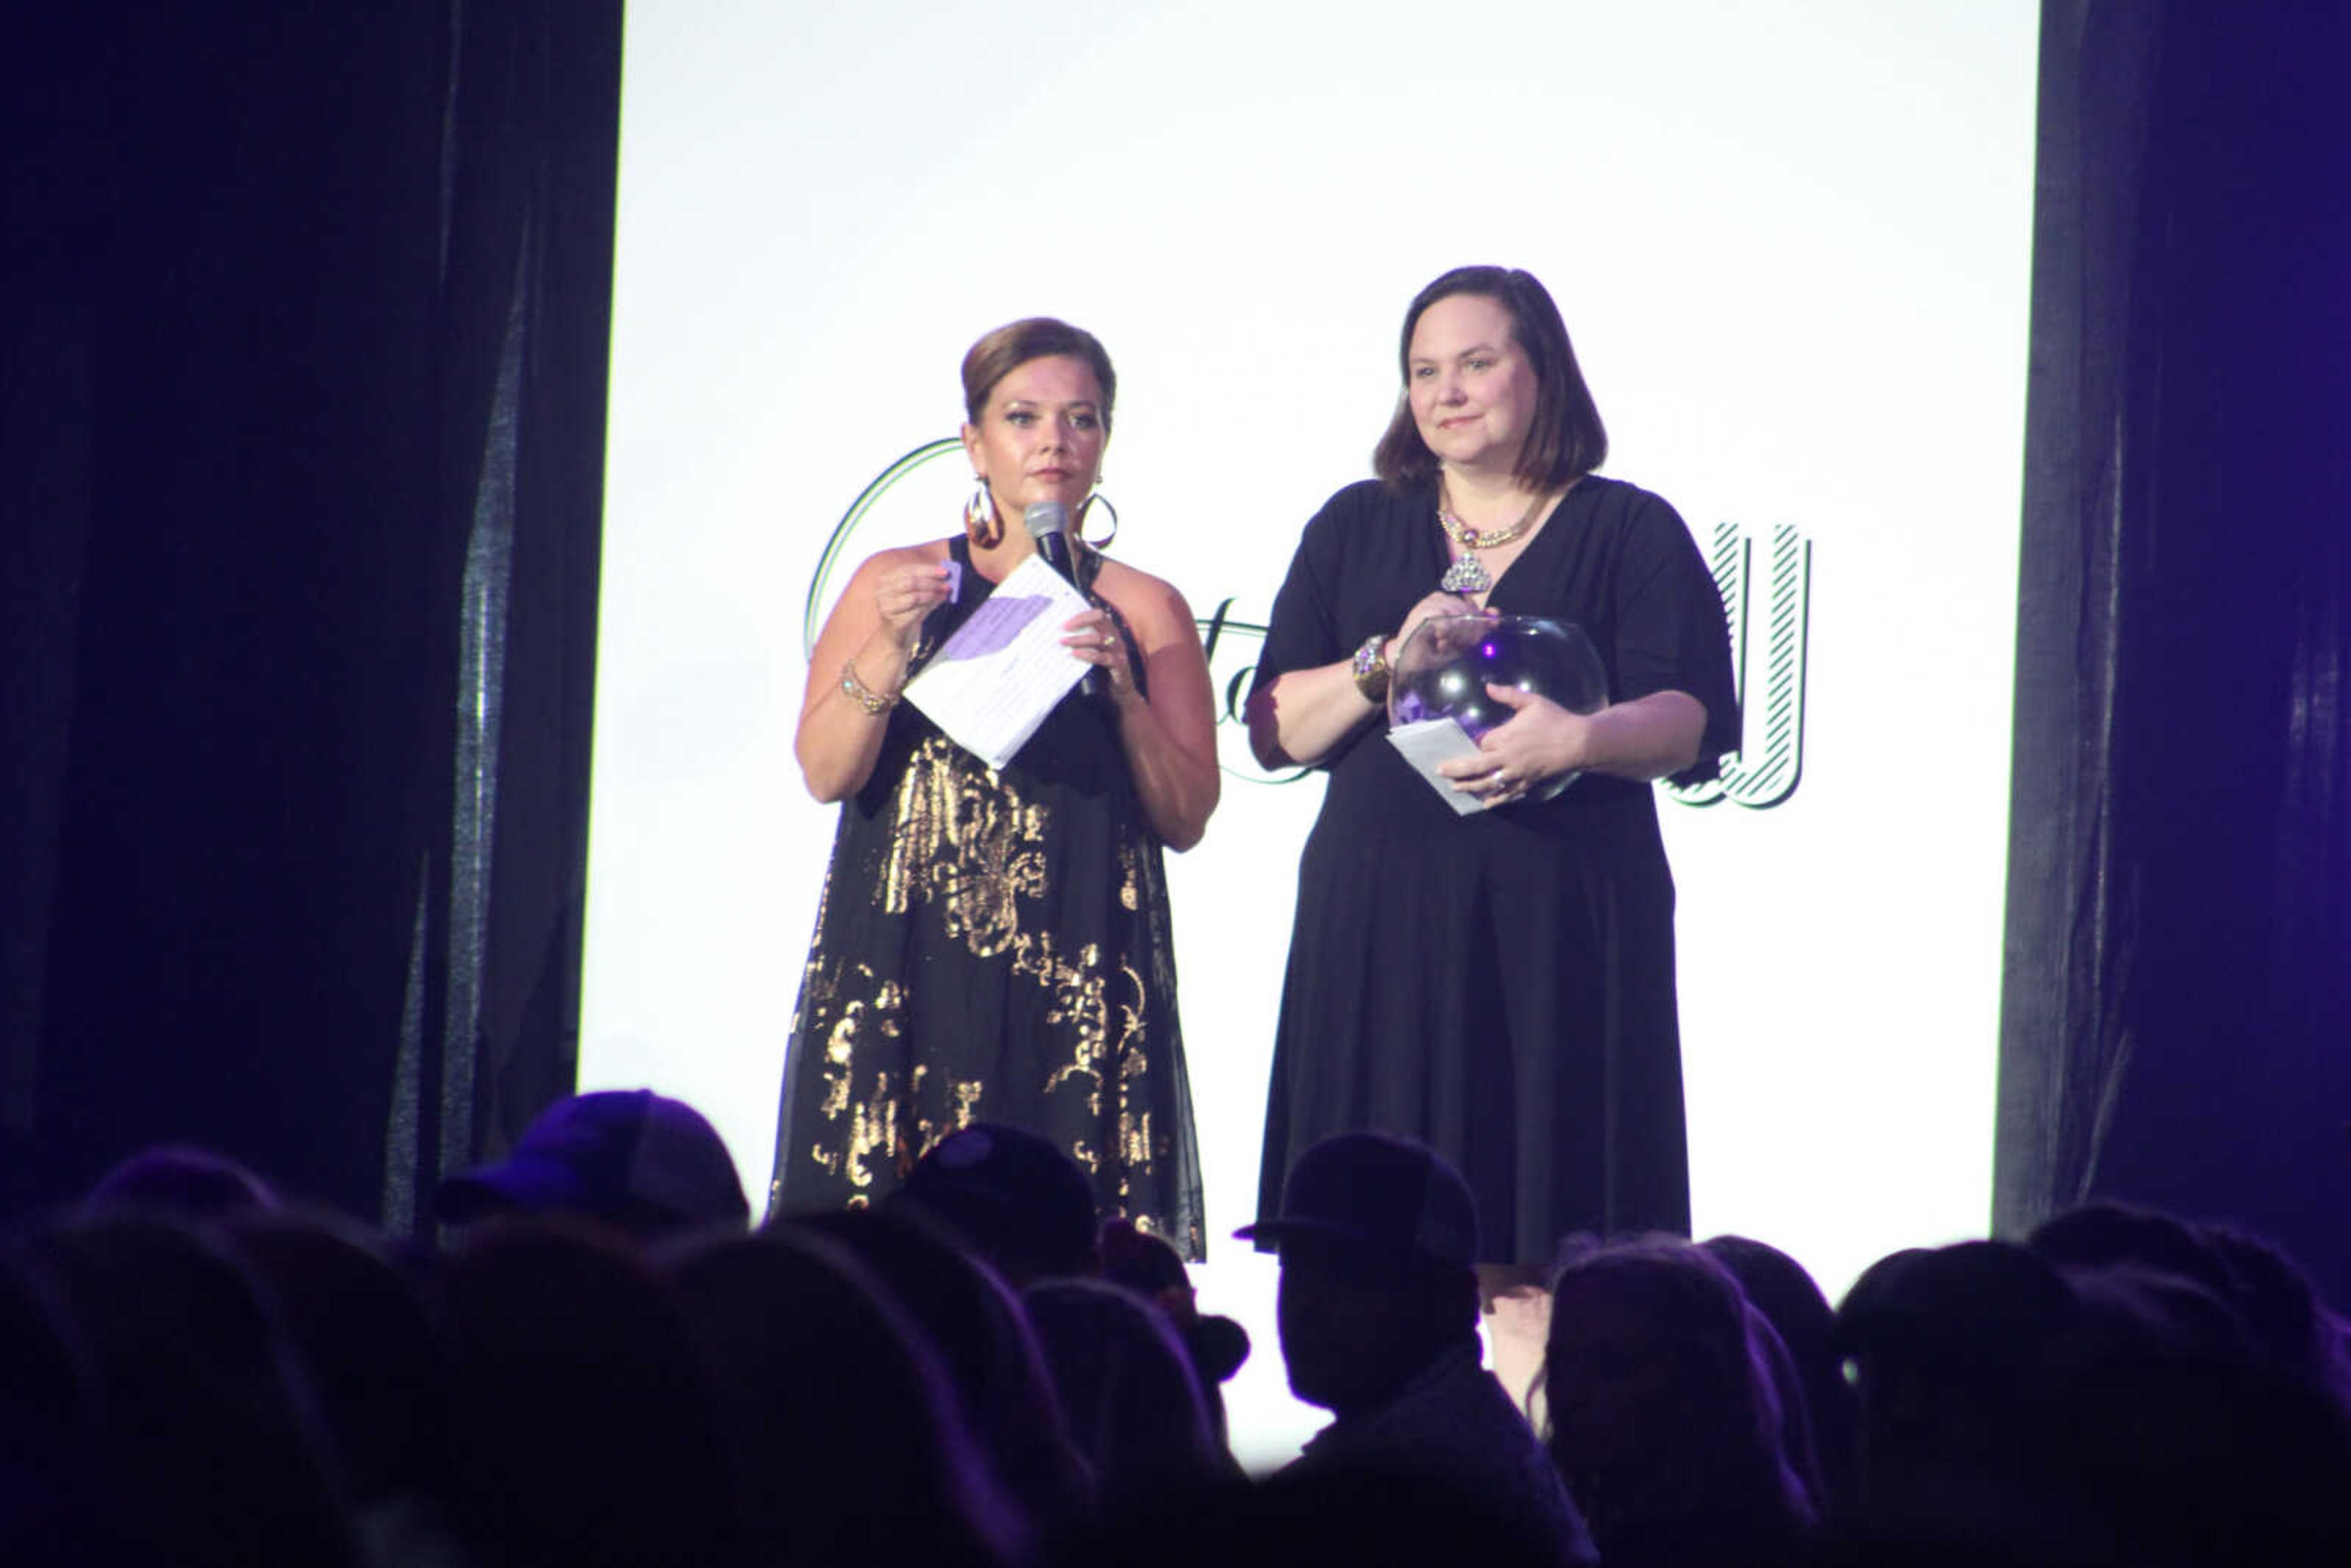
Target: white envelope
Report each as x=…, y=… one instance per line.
x=1429, y=742
x=996, y=679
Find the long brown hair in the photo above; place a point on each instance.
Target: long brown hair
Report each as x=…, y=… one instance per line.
x=1565, y=439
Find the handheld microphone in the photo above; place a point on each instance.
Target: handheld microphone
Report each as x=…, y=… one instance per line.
x=1047, y=522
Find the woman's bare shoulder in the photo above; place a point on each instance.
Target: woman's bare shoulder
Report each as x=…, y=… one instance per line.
x=1138, y=594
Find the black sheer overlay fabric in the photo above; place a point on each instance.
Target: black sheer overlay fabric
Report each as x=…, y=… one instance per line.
x=993, y=945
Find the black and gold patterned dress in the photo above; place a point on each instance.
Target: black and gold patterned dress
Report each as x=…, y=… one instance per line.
x=992, y=946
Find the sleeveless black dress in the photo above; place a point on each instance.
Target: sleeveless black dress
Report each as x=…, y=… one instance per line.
x=1498, y=986
x=992, y=946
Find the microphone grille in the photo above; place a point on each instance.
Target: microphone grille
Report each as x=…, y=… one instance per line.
x=1045, y=518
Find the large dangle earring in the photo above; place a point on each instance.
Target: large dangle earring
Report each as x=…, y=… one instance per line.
x=1086, y=509
x=979, y=519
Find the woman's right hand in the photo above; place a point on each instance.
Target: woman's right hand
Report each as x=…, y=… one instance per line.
x=1296, y=719
x=1429, y=609
x=904, y=598
x=867, y=644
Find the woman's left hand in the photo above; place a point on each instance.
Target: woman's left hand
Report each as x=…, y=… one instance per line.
x=1540, y=741
x=1093, y=636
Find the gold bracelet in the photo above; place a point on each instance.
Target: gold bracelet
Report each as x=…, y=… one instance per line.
x=864, y=696
x=1371, y=669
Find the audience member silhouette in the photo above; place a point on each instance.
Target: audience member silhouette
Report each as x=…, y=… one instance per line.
x=583, y=1429
x=1377, y=1308
x=180, y=1181
x=630, y=1160
x=205, y=1445
x=1315, y=1514
x=1012, y=1198
x=2101, y=1235
x=1128, y=1390
x=984, y=1342
x=1663, y=1411
x=1824, y=1416
x=196, y=1373
x=2282, y=1305
x=50, y=1503
x=2201, y=1416
x=848, y=1442
x=2267, y=1293
x=1150, y=1267
x=376, y=1364
x=1957, y=1356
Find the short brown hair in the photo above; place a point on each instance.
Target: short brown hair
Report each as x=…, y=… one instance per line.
x=1565, y=440
x=1010, y=346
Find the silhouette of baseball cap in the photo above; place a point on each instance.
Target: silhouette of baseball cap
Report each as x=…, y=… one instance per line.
x=1015, y=1197
x=1383, y=1191
x=628, y=1156
x=1149, y=1265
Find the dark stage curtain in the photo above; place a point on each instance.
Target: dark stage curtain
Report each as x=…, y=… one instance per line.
x=304, y=392
x=2176, y=1024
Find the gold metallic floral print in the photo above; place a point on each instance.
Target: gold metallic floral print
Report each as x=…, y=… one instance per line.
x=974, y=849
x=1130, y=876
x=969, y=844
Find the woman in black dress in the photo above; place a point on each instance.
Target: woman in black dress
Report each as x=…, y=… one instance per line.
x=995, y=944
x=1500, y=985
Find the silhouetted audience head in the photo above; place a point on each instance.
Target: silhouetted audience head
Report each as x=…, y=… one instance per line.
x=983, y=1336
x=1015, y=1199
x=2265, y=1290
x=1149, y=1266
x=1952, y=1348
x=630, y=1159
x=2101, y=1235
x=1378, y=1241
x=180, y=1181
x=848, y=1440
x=368, y=1340
x=207, y=1451
x=1127, y=1389
x=1377, y=1309
x=50, y=1503
x=1662, y=1408
x=1824, y=1419
x=2191, y=1452
x=1307, y=1515
x=2203, y=1416
x=583, y=1429
x=2282, y=1305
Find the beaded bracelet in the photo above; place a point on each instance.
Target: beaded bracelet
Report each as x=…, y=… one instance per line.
x=864, y=696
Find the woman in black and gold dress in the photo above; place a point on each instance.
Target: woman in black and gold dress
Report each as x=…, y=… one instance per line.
x=994, y=945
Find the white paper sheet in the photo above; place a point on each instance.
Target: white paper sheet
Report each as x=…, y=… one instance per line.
x=1001, y=672
x=1430, y=742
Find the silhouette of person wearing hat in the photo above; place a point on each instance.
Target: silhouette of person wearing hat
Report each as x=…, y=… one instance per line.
x=628, y=1159
x=1378, y=1317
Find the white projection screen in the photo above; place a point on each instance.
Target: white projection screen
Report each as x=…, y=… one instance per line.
x=1791, y=244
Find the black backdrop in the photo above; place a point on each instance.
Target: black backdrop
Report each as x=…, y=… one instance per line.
x=303, y=393
x=2177, y=1016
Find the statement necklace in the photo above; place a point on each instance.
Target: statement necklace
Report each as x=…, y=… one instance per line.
x=1468, y=574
